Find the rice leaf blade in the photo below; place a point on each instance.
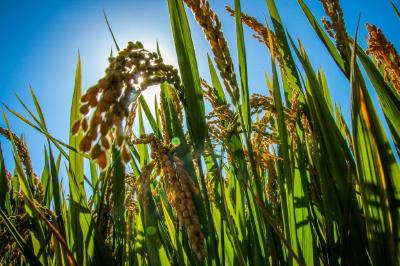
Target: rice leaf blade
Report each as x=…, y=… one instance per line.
x=192, y=94
x=377, y=169
x=244, y=88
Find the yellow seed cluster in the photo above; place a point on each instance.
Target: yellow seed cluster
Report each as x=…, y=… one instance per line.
x=23, y=153
x=24, y=224
x=20, y=219
x=264, y=130
x=131, y=189
x=164, y=126
x=222, y=122
x=385, y=53
x=210, y=187
x=272, y=191
x=177, y=105
x=263, y=140
x=211, y=25
x=265, y=135
x=179, y=187
x=260, y=103
x=145, y=181
x=213, y=175
x=131, y=205
x=108, y=108
x=335, y=26
x=262, y=34
x=210, y=93
x=307, y=129
x=8, y=181
x=22, y=150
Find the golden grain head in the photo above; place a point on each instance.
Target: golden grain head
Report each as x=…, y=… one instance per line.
x=84, y=124
x=85, y=144
x=75, y=127
x=211, y=26
x=95, y=152
x=109, y=101
x=102, y=159
x=105, y=142
x=336, y=27
x=126, y=157
x=385, y=54
x=84, y=109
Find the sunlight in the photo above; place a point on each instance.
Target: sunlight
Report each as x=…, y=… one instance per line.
x=139, y=79
x=150, y=94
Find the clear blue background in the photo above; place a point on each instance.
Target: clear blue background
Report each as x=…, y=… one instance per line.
x=40, y=41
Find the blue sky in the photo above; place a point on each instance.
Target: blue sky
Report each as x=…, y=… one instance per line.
x=40, y=42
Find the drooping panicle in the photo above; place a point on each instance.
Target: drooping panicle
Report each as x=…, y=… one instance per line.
x=385, y=53
x=336, y=28
x=179, y=188
x=263, y=34
x=211, y=25
x=109, y=107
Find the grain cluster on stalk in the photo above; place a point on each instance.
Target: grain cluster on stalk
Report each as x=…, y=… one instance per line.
x=263, y=34
x=222, y=122
x=211, y=26
x=113, y=100
x=22, y=149
x=23, y=153
x=22, y=221
x=179, y=188
x=336, y=27
x=385, y=53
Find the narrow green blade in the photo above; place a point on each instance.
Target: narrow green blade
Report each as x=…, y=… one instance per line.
x=193, y=99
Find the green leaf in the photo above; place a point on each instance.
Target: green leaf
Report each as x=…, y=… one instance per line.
x=55, y=141
x=110, y=30
x=23, y=182
x=118, y=181
x=290, y=67
x=142, y=148
x=219, y=91
x=378, y=172
x=149, y=116
x=150, y=216
x=335, y=143
x=330, y=46
x=76, y=159
x=325, y=89
x=285, y=180
x=38, y=109
x=388, y=98
x=192, y=95
x=55, y=184
x=244, y=88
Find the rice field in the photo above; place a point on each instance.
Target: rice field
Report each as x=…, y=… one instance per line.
x=221, y=176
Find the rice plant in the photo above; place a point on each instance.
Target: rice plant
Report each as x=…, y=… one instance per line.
x=221, y=176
